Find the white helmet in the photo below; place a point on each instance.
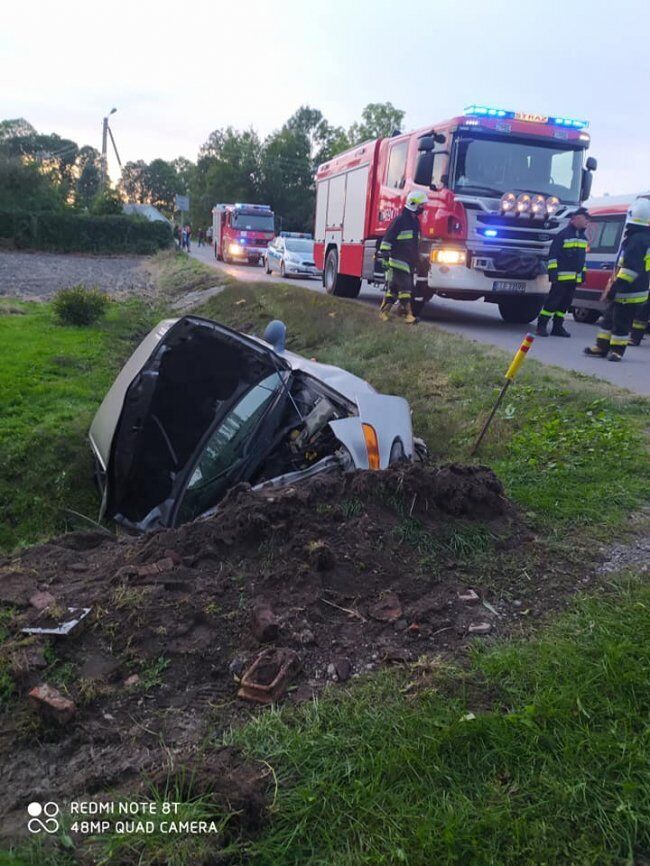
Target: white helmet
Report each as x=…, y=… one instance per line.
x=639, y=213
x=415, y=199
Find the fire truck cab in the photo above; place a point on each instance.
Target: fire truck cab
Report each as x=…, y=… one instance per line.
x=499, y=185
x=241, y=232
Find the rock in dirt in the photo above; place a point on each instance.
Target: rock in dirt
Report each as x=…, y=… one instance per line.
x=343, y=668
x=87, y=540
x=131, y=681
x=51, y=703
x=479, y=628
x=42, y=600
x=387, y=609
x=264, y=623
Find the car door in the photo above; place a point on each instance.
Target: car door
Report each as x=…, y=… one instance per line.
x=604, y=235
x=274, y=258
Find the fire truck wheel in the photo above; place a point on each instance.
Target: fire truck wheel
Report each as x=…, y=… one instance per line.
x=520, y=310
x=341, y=285
x=583, y=314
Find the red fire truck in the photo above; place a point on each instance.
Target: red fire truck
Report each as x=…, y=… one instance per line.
x=241, y=232
x=605, y=233
x=499, y=183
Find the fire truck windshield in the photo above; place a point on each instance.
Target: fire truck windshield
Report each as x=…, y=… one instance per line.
x=252, y=222
x=493, y=166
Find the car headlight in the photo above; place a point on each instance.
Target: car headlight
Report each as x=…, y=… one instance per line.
x=524, y=202
x=508, y=202
x=538, y=206
x=552, y=204
x=448, y=256
x=235, y=249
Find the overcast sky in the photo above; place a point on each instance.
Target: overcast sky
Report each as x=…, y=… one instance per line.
x=176, y=71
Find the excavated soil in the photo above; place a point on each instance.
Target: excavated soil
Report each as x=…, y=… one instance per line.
x=340, y=575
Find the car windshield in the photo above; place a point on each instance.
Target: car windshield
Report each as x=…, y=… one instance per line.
x=493, y=166
x=207, y=483
x=299, y=245
x=253, y=222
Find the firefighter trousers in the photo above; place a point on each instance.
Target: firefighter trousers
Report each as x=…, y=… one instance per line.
x=639, y=324
x=615, y=327
x=558, y=300
x=399, y=287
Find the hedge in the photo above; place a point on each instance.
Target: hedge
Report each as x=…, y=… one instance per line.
x=67, y=232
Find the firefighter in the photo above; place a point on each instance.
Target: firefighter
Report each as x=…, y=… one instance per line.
x=566, y=270
x=400, y=245
x=627, y=293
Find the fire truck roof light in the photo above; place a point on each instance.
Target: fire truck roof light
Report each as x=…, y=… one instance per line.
x=487, y=111
x=490, y=233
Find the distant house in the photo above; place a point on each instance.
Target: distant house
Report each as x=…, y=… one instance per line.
x=148, y=211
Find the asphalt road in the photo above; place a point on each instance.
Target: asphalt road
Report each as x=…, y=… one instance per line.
x=479, y=321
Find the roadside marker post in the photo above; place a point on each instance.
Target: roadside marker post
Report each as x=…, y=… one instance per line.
x=511, y=372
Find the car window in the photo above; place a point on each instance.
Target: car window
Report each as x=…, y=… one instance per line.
x=604, y=233
x=396, y=171
x=299, y=245
x=207, y=483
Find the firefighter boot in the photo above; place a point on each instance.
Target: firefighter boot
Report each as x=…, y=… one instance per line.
x=558, y=329
x=542, y=324
x=636, y=334
x=617, y=349
x=601, y=348
x=409, y=318
x=384, y=310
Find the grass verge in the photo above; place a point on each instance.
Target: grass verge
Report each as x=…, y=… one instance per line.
x=52, y=378
x=537, y=754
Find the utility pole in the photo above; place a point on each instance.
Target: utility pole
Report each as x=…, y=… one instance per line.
x=105, y=134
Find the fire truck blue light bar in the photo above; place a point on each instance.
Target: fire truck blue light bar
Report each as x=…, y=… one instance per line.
x=487, y=111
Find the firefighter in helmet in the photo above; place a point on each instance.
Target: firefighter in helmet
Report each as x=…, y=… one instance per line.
x=627, y=292
x=566, y=270
x=400, y=245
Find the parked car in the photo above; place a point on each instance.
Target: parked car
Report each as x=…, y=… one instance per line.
x=292, y=255
x=199, y=408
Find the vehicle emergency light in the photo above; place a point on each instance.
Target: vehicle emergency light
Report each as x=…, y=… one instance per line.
x=305, y=235
x=486, y=111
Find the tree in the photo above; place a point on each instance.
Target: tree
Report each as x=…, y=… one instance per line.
x=106, y=203
x=184, y=172
x=161, y=182
x=16, y=128
x=132, y=183
x=89, y=176
x=288, y=177
x=378, y=120
x=23, y=187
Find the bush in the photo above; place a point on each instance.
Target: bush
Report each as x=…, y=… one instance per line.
x=70, y=232
x=79, y=305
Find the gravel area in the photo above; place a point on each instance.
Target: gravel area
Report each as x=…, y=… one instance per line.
x=30, y=275
x=633, y=554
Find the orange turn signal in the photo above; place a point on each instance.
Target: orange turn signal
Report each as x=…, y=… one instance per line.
x=372, y=446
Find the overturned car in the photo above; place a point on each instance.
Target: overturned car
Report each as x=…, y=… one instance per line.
x=199, y=408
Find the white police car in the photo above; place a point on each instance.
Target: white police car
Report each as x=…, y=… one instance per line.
x=291, y=254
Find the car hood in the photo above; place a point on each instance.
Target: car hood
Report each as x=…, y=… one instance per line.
x=181, y=378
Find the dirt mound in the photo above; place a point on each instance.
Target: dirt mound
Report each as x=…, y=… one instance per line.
x=328, y=580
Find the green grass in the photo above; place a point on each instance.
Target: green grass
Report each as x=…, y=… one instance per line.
x=571, y=449
x=537, y=754
x=52, y=379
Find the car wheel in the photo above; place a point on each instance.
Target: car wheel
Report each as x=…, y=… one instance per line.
x=520, y=310
x=340, y=285
x=585, y=315
x=266, y=265
x=283, y=272
x=396, y=452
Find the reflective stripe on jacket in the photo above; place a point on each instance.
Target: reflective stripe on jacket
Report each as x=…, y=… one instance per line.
x=568, y=256
x=633, y=267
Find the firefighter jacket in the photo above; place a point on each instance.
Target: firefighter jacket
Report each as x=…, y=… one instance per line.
x=401, y=242
x=633, y=267
x=567, y=258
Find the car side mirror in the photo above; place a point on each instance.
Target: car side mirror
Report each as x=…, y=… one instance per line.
x=424, y=169
x=592, y=163
x=587, y=180
x=426, y=143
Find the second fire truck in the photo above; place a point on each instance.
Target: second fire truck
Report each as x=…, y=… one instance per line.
x=499, y=185
x=241, y=232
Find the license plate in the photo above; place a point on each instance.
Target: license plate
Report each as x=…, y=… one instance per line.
x=512, y=286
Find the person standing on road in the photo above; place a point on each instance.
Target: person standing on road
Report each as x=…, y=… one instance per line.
x=201, y=237
x=627, y=292
x=566, y=270
x=188, y=234
x=400, y=245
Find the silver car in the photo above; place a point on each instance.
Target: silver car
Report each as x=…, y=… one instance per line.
x=291, y=254
x=199, y=408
